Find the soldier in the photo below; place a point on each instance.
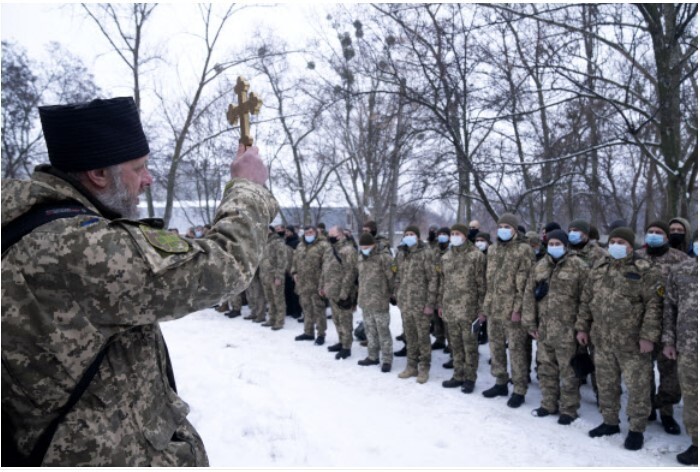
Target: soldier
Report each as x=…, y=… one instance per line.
x=508, y=265
x=291, y=239
x=376, y=279
x=580, y=244
x=533, y=239
x=255, y=297
x=680, y=339
x=338, y=285
x=416, y=290
x=382, y=242
x=272, y=269
x=482, y=241
x=439, y=329
x=550, y=306
x=93, y=282
x=432, y=236
x=662, y=256
x=461, y=296
x=679, y=235
x=474, y=229
x=621, y=309
x=306, y=270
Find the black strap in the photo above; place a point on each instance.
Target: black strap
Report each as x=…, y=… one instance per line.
x=40, y=215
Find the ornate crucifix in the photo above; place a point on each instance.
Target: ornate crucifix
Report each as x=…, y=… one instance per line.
x=246, y=104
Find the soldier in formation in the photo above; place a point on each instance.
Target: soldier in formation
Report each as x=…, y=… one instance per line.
x=272, y=271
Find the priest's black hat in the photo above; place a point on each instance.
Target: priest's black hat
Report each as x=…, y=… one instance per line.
x=93, y=135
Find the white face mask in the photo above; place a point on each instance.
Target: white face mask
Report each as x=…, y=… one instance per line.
x=456, y=240
x=481, y=245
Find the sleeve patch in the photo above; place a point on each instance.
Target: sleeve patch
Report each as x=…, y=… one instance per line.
x=164, y=240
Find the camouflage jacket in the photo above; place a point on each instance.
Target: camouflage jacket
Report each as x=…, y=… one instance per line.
x=415, y=285
x=274, y=263
x=462, y=283
x=507, y=269
x=439, y=251
x=680, y=316
x=339, y=273
x=621, y=304
x=382, y=244
x=589, y=253
x=665, y=261
x=307, y=264
x=554, y=315
x=376, y=279
x=74, y=283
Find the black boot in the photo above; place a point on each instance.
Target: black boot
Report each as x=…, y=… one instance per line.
x=652, y=415
x=438, y=344
x=496, y=391
x=401, y=352
x=386, y=367
x=670, y=425
x=300, y=319
x=516, y=400
x=468, y=386
x=634, y=441
x=367, y=362
x=449, y=364
x=401, y=337
x=343, y=354
x=689, y=457
x=304, y=337
x=335, y=347
x=320, y=340
x=452, y=383
x=233, y=313
x=566, y=419
x=604, y=430
x=542, y=412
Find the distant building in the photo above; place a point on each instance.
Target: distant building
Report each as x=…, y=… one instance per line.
x=330, y=216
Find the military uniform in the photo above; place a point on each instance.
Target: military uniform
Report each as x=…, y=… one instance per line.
x=550, y=307
x=416, y=288
x=669, y=392
x=461, y=296
x=376, y=279
x=680, y=330
x=273, y=268
x=338, y=281
x=307, y=265
x=439, y=325
x=589, y=253
x=508, y=267
x=621, y=304
x=74, y=283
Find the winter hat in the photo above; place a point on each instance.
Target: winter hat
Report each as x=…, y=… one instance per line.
x=485, y=236
x=366, y=239
x=659, y=224
x=618, y=224
x=509, y=219
x=93, y=135
x=551, y=226
x=372, y=225
x=413, y=229
x=623, y=232
x=532, y=237
x=444, y=230
x=464, y=229
x=594, y=233
x=582, y=225
x=559, y=235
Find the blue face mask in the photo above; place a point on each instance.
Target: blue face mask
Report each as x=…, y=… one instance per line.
x=695, y=248
x=556, y=251
x=654, y=240
x=456, y=240
x=617, y=251
x=309, y=239
x=409, y=241
x=575, y=237
x=504, y=234
x=366, y=251
x=443, y=238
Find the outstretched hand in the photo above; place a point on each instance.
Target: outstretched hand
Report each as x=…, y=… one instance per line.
x=248, y=165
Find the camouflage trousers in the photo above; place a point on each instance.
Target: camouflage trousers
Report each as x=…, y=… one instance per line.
x=342, y=319
x=633, y=369
x=688, y=375
x=254, y=296
x=517, y=337
x=416, y=328
x=669, y=388
x=314, y=308
x=276, y=304
x=558, y=381
x=464, y=347
x=378, y=336
x=439, y=327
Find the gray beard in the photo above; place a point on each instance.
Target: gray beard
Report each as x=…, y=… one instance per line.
x=117, y=198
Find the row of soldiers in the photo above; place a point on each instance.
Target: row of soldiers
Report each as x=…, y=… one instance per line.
x=577, y=300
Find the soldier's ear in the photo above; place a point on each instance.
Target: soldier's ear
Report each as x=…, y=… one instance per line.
x=98, y=178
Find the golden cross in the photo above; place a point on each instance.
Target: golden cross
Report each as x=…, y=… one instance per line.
x=246, y=104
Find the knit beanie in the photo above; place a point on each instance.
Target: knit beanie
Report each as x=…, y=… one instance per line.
x=464, y=229
x=623, y=232
x=559, y=235
x=444, y=230
x=93, y=135
x=532, y=237
x=484, y=235
x=582, y=225
x=372, y=225
x=366, y=239
x=413, y=229
x=509, y=219
x=551, y=226
x=594, y=233
x=659, y=224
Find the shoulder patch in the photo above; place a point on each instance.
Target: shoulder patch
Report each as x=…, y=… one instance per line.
x=438, y=268
x=164, y=240
x=661, y=291
x=394, y=268
x=642, y=264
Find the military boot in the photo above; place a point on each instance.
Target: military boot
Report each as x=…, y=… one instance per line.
x=409, y=371
x=401, y=352
x=634, y=441
x=367, y=362
x=304, y=337
x=565, y=419
x=422, y=375
x=468, y=386
x=438, y=344
x=670, y=425
x=689, y=457
x=386, y=367
x=516, y=400
x=335, y=347
x=604, y=430
x=452, y=383
x=267, y=324
x=233, y=314
x=449, y=364
x=249, y=317
x=320, y=340
x=496, y=391
x=343, y=354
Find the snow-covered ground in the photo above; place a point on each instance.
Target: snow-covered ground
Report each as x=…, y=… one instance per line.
x=261, y=399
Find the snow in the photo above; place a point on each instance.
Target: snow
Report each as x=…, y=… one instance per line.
x=261, y=399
